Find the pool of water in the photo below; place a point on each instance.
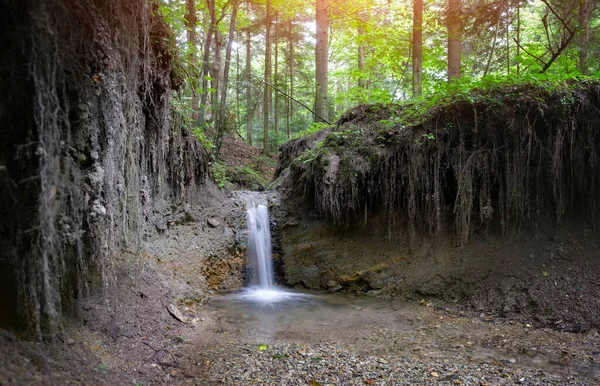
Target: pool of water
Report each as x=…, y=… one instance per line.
x=371, y=326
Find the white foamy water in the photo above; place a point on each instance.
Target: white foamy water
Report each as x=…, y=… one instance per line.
x=259, y=260
x=258, y=256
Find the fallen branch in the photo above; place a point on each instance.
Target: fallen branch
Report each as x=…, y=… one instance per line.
x=296, y=100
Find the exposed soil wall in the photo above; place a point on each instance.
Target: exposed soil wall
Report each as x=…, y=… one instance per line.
x=89, y=159
x=489, y=200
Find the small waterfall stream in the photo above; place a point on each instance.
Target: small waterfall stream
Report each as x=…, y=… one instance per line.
x=258, y=255
x=259, y=259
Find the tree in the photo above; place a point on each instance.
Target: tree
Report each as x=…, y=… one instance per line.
x=267, y=79
x=321, y=56
x=417, y=49
x=248, y=88
x=585, y=12
x=222, y=112
x=454, y=25
x=206, y=60
x=190, y=23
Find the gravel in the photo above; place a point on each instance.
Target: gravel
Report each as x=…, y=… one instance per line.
x=327, y=364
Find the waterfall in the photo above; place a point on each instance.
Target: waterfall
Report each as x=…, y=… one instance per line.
x=259, y=259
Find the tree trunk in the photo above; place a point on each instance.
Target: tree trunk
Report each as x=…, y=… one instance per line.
x=222, y=113
x=267, y=80
x=248, y=89
x=276, y=76
x=191, y=21
x=454, y=26
x=321, y=56
x=417, y=54
x=518, y=39
x=361, y=50
x=585, y=11
x=205, y=62
x=216, y=75
x=291, y=68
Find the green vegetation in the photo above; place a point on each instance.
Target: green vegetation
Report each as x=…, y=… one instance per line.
x=371, y=52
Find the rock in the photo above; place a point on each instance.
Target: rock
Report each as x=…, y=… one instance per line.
x=174, y=311
x=434, y=374
x=291, y=223
x=213, y=222
x=7, y=336
x=592, y=334
x=333, y=286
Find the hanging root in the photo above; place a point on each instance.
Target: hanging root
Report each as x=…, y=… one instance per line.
x=90, y=156
x=507, y=157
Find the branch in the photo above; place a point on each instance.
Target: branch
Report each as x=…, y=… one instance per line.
x=539, y=59
x=296, y=100
x=559, y=18
x=563, y=45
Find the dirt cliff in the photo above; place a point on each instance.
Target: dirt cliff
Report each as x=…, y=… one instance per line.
x=487, y=201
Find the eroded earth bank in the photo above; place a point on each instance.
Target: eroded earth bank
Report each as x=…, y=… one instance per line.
x=456, y=245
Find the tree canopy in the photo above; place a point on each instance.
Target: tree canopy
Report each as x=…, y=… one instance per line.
x=253, y=70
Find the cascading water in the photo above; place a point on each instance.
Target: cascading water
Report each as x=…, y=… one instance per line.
x=260, y=261
x=259, y=258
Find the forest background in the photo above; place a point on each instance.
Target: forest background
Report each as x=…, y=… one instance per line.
x=270, y=70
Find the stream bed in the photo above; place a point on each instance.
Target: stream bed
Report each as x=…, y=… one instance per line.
x=350, y=339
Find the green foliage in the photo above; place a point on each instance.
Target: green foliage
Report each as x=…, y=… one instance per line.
x=247, y=177
x=219, y=175
x=352, y=137
x=202, y=138
x=313, y=128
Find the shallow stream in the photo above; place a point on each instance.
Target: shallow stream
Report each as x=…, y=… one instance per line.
x=369, y=326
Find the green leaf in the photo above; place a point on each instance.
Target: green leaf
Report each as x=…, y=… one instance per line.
x=262, y=347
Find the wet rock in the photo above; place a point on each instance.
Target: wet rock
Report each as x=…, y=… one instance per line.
x=333, y=286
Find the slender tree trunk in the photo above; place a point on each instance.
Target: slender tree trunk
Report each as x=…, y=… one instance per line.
x=361, y=62
x=493, y=49
x=191, y=21
x=361, y=51
x=508, y=24
x=417, y=54
x=267, y=91
x=248, y=89
x=321, y=56
x=216, y=77
x=222, y=114
x=585, y=11
x=205, y=61
x=237, y=80
x=291, y=66
x=518, y=38
x=454, y=38
x=276, y=76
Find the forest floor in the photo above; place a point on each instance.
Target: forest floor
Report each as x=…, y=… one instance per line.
x=130, y=334
x=246, y=167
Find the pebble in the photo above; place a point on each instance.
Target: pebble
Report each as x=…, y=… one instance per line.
x=330, y=364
